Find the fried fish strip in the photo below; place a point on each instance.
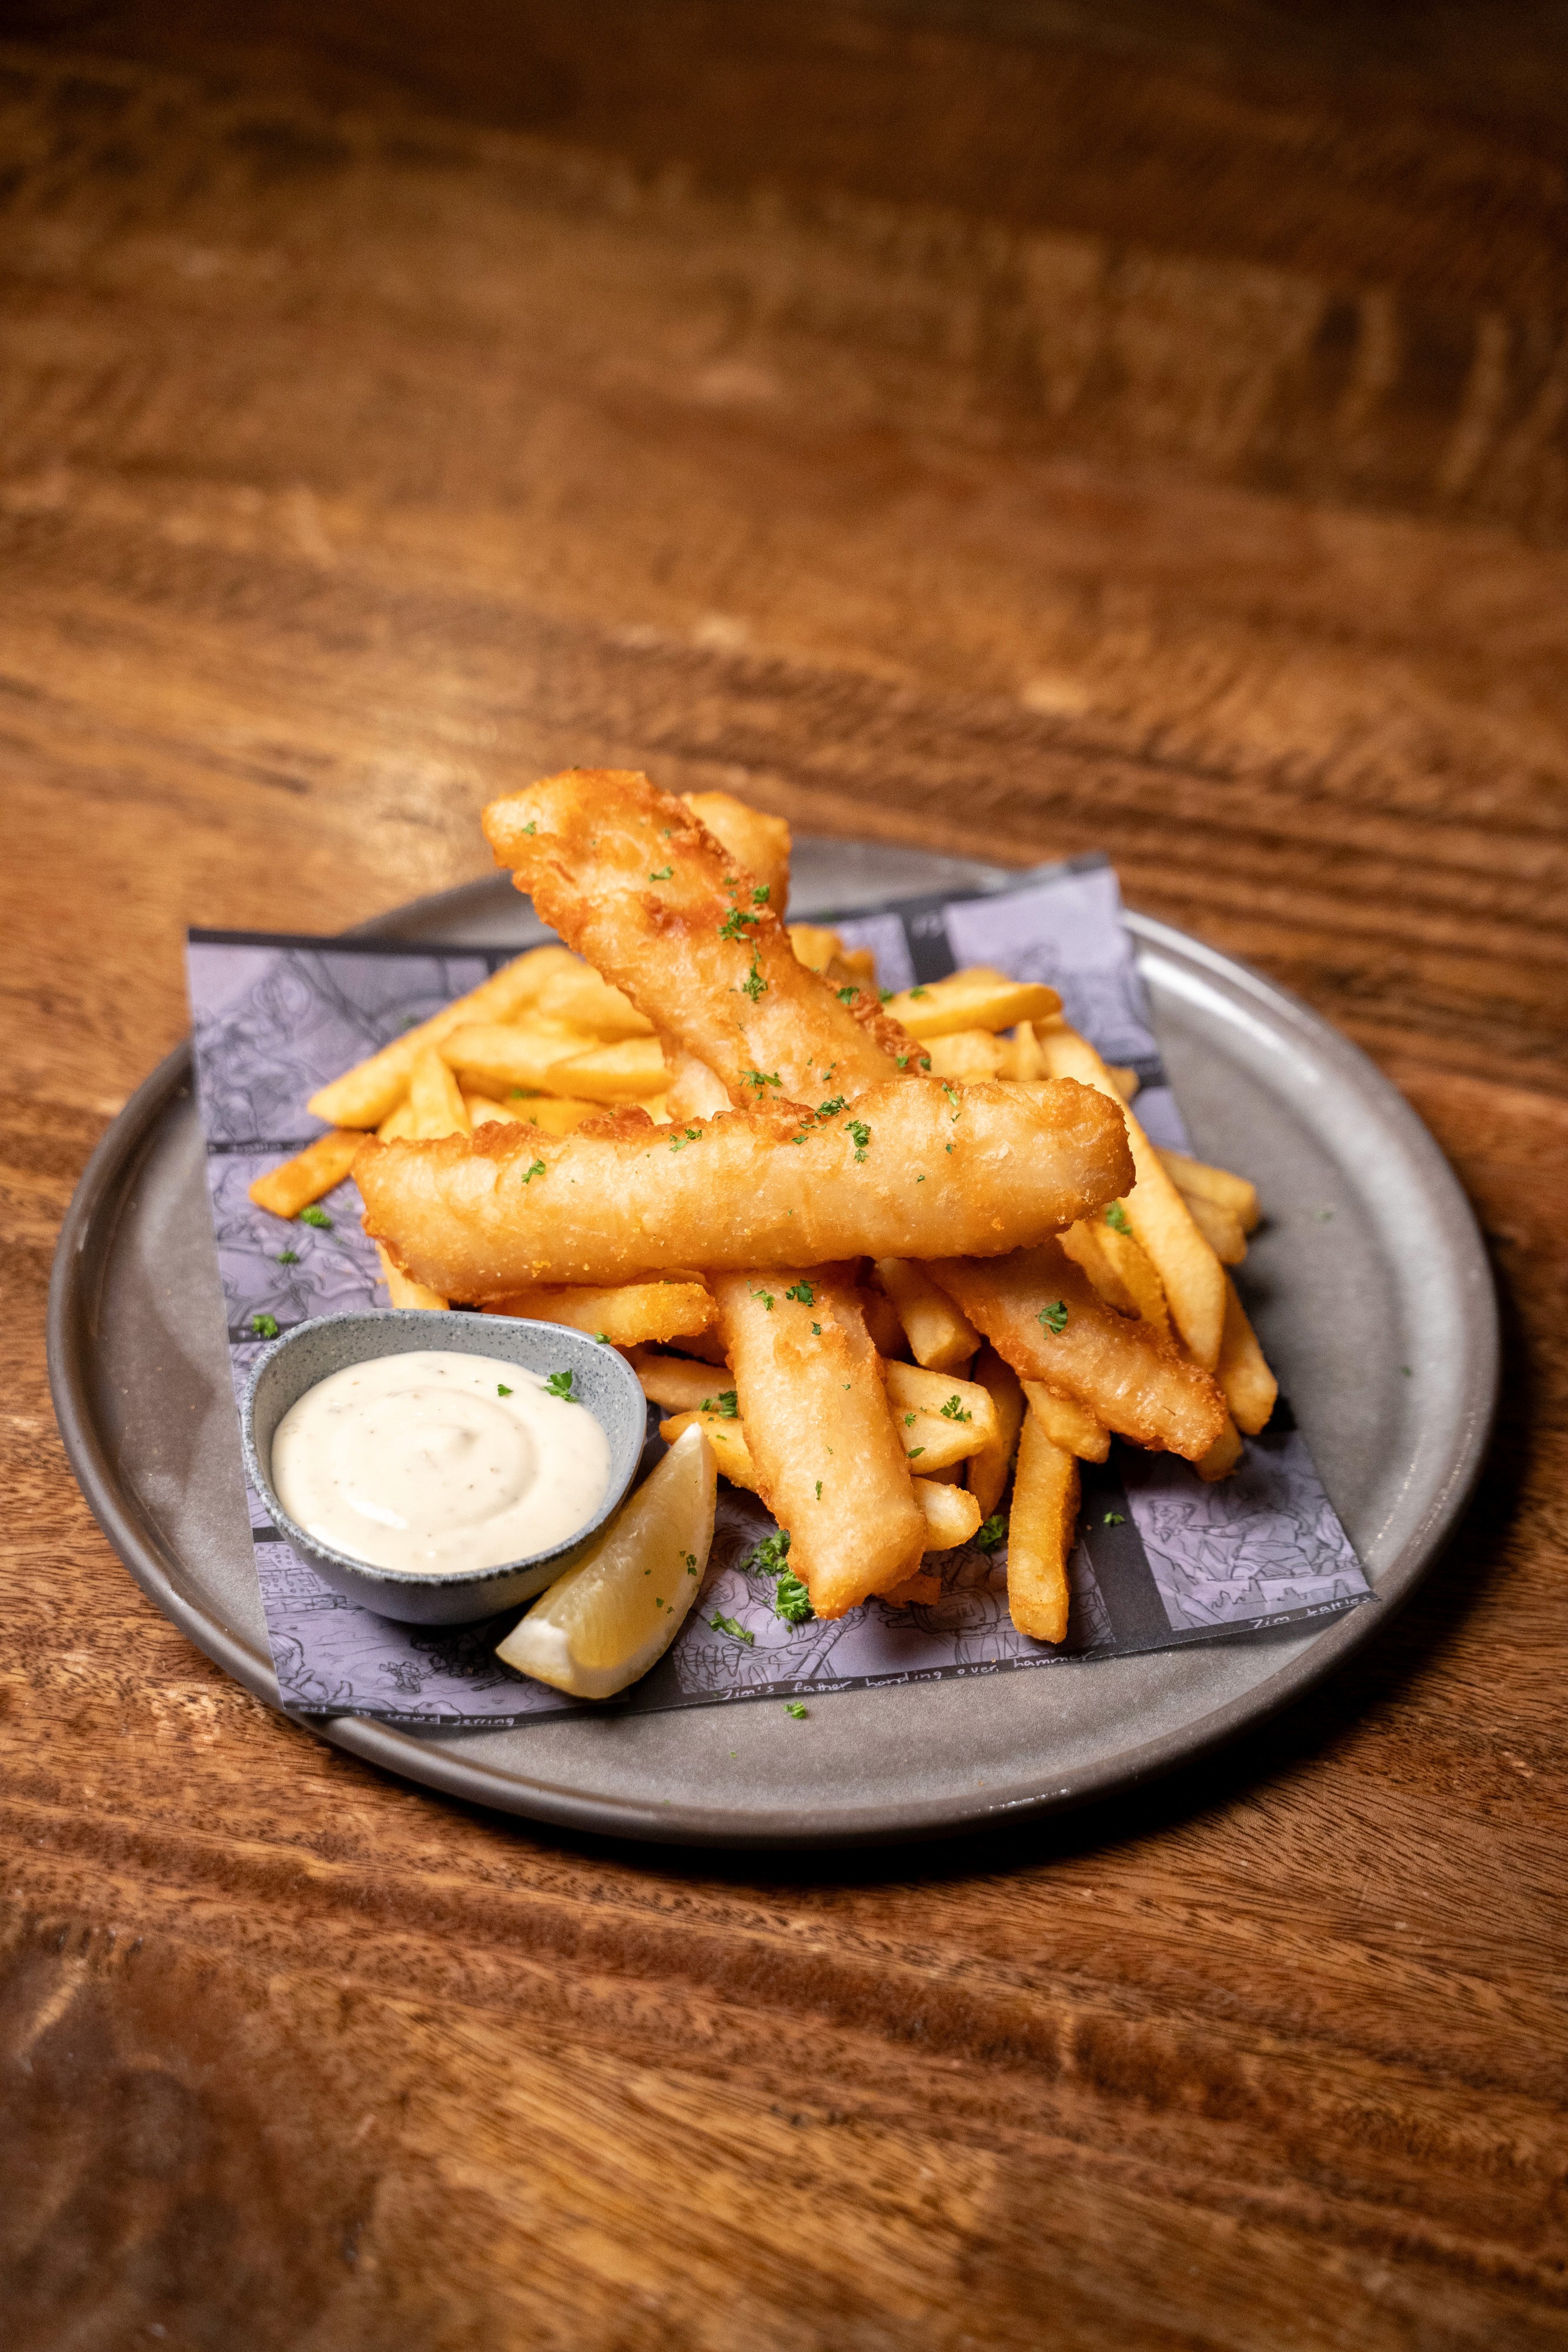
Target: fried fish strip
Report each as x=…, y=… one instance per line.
x=915, y=1169
x=1044, y=1315
x=750, y=838
x=632, y=879
x=829, y=1462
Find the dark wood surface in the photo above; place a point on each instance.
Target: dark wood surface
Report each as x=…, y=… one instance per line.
x=1018, y=428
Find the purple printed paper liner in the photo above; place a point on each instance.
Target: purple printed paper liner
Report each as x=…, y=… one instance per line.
x=1161, y=1561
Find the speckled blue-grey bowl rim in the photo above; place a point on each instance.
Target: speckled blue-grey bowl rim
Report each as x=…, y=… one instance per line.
x=603, y=1382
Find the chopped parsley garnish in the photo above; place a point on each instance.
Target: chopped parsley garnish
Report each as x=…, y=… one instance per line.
x=831, y=1109
x=802, y=1291
x=760, y=896
x=724, y=1405
x=532, y=825
x=791, y=1600
x=921, y=991
x=691, y=1559
x=560, y=1385
x=915, y=1452
x=903, y=1061
x=848, y=995
x=316, y=1217
x=288, y=1257
x=723, y=1624
x=502, y=1389
x=885, y=996
x=771, y=1553
x=1118, y=1220
x=265, y=1325
x=909, y=1421
x=1054, y=1317
x=819, y=1490
x=994, y=1532
x=661, y=874
x=793, y=1706
x=536, y=1170
x=954, y=1410
x=753, y=985
x=734, y=924
x=861, y=1134
x=1114, y=1519
x=767, y=1299
x=688, y=1135
x=603, y=1337
x=952, y=1095
x=760, y=1078
x=816, y=1330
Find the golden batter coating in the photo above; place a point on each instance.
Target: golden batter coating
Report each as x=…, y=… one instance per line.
x=915, y=1168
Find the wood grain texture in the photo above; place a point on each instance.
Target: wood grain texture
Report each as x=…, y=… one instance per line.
x=1013, y=430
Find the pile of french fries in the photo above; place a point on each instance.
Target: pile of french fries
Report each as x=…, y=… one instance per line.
x=905, y=1393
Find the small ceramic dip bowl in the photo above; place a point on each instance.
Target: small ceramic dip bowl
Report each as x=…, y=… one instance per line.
x=602, y=1381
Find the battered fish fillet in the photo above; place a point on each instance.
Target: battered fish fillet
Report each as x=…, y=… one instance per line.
x=1044, y=1316
x=915, y=1169
x=828, y=1460
x=749, y=838
x=640, y=886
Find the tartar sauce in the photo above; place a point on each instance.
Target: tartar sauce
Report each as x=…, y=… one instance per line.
x=434, y=1463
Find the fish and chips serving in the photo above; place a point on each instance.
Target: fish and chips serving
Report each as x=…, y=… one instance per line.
x=904, y=1258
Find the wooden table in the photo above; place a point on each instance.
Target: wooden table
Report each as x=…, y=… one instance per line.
x=1011, y=429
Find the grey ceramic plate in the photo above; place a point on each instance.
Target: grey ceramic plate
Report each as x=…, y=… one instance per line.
x=1397, y=1276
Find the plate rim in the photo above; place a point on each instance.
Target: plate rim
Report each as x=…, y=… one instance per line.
x=437, y=1760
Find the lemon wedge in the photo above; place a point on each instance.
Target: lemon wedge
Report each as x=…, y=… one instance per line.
x=615, y=1612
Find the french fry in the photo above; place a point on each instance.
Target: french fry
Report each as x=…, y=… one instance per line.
x=882, y=1321
x=1040, y=1527
x=1219, y=1226
x=969, y=1054
x=931, y=1445
x=435, y=1100
x=692, y=1092
x=396, y=1122
x=976, y=999
x=555, y=1115
x=988, y=1468
x=1193, y=1277
x=751, y=839
x=628, y=1315
x=1042, y=1313
x=626, y=1071
x=707, y=1347
x=1250, y=1388
x=495, y=1057
x=579, y=999
x=363, y=1095
x=964, y=1405
x=1029, y=1062
x=939, y=1337
x=819, y=1432
x=678, y=1383
x=403, y=1292
x=479, y=1108
x=623, y=1199
x=1217, y=1184
x=1068, y=1423
x=1124, y=1079
x=309, y=1175
x=952, y=1514
x=727, y=1439
x=1222, y=1456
